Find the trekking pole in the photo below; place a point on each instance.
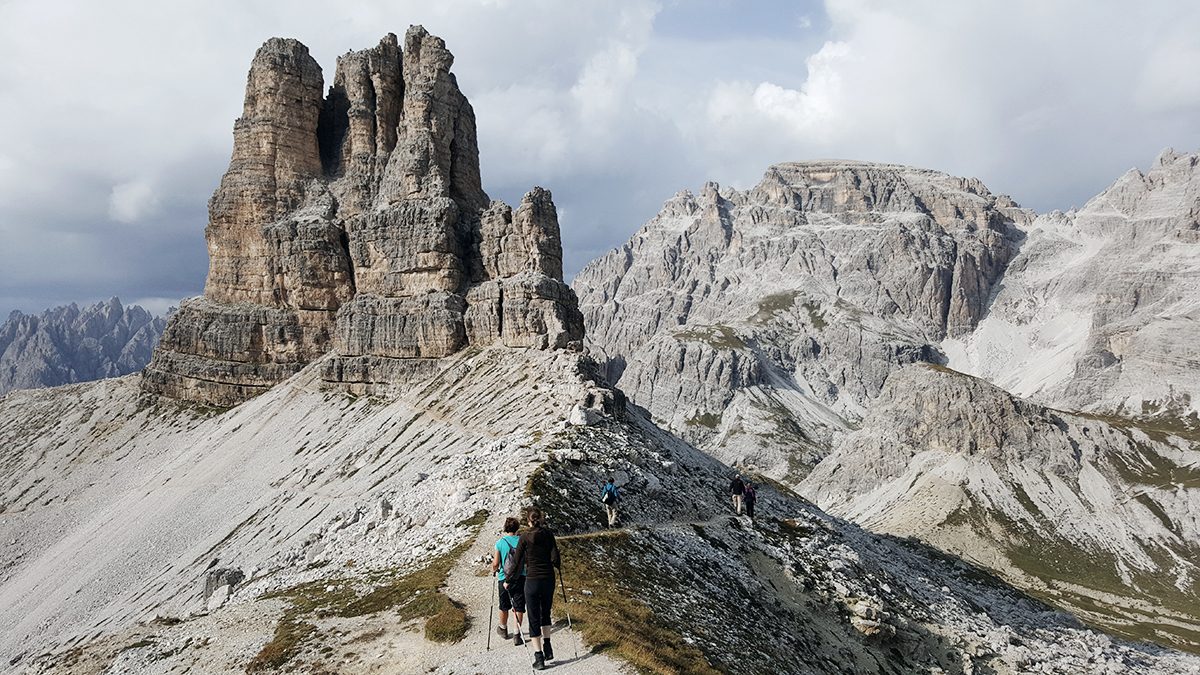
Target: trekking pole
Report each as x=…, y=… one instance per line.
x=491, y=609
x=567, y=608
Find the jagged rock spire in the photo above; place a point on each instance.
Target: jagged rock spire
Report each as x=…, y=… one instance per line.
x=357, y=223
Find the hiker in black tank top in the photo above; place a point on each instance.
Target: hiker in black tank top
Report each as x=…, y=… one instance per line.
x=538, y=552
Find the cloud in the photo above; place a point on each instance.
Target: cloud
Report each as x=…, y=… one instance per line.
x=812, y=111
x=132, y=201
x=125, y=108
x=1048, y=101
x=1169, y=80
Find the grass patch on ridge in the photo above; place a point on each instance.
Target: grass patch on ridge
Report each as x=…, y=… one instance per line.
x=613, y=619
x=413, y=596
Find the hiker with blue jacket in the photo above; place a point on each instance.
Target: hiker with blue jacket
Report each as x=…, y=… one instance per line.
x=611, y=496
x=512, y=595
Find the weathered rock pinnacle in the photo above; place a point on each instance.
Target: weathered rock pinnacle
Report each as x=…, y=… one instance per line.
x=356, y=223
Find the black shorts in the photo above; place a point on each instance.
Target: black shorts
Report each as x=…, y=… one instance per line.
x=514, y=596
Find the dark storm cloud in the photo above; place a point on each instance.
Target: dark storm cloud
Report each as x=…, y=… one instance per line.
x=118, y=115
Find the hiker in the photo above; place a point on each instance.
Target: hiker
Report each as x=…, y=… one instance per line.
x=750, y=496
x=737, y=488
x=510, y=597
x=611, y=496
x=537, y=551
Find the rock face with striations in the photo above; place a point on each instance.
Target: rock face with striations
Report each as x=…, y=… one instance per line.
x=73, y=344
x=355, y=223
x=1099, y=311
x=1094, y=513
x=760, y=323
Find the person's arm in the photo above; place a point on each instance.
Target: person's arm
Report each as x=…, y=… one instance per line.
x=555, y=559
x=495, y=561
x=520, y=561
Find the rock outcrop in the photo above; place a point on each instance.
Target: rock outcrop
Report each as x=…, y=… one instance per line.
x=70, y=344
x=759, y=323
x=1099, y=310
x=1094, y=513
x=356, y=224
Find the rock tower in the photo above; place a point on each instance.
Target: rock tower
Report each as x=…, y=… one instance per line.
x=356, y=223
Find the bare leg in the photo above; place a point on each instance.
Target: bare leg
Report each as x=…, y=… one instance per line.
x=504, y=618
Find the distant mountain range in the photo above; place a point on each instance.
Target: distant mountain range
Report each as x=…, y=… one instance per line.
x=71, y=344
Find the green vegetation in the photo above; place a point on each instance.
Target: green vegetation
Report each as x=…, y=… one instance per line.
x=718, y=336
x=413, y=596
x=1148, y=467
x=1160, y=427
x=614, y=619
x=815, y=316
x=1062, y=567
x=772, y=305
x=707, y=420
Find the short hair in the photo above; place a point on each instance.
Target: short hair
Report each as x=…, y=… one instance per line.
x=511, y=524
x=610, y=479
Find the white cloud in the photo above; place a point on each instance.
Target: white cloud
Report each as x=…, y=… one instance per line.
x=1048, y=101
x=1170, y=78
x=132, y=201
x=811, y=112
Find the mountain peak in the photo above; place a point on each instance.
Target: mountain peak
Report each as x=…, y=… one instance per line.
x=356, y=225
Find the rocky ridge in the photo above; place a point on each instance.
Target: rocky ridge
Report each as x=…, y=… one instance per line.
x=1099, y=310
x=71, y=344
x=760, y=323
x=355, y=223
x=1094, y=514
x=320, y=496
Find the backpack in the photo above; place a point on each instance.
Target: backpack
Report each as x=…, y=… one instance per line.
x=510, y=562
x=610, y=494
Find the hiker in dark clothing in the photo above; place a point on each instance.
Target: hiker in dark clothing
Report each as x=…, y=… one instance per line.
x=737, y=488
x=750, y=496
x=611, y=496
x=537, y=551
x=510, y=598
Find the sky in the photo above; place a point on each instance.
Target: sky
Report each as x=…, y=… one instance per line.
x=118, y=115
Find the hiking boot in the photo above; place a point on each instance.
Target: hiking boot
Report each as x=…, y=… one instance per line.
x=547, y=649
x=502, y=631
x=517, y=639
x=539, y=661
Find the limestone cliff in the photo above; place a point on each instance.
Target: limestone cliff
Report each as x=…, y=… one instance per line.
x=760, y=322
x=1093, y=513
x=356, y=223
x=1099, y=310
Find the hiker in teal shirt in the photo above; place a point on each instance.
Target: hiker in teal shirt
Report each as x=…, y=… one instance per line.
x=512, y=597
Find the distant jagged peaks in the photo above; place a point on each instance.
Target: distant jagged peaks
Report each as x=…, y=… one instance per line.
x=70, y=344
x=799, y=296
x=356, y=223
